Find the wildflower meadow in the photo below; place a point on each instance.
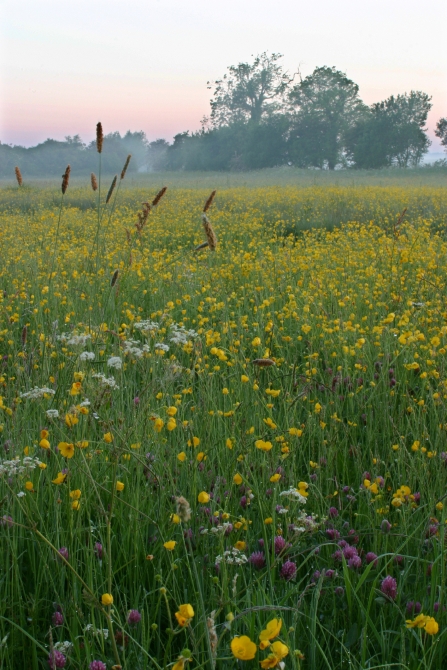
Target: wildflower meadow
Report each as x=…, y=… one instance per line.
x=223, y=426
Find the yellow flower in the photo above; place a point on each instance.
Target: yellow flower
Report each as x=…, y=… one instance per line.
x=171, y=411
x=75, y=388
x=200, y=456
x=240, y=545
x=244, y=379
x=75, y=504
x=268, y=521
x=268, y=422
x=256, y=342
x=180, y=664
x=44, y=434
x=263, y=446
x=107, y=599
x=237, y=479
x=431, y=626
x=175, y=518
x=275, y=478
x=229, y=443
x=108, y=437
x=171, y=424
x=60, y=478
x=271, y=630
x=71, y=420
x=203, y=497
x=194, y=442
x=184, y=615
x=158, y=424
x=66, y=449
x=302, y=489
x=279, y=651
x=242, y=647
x=170, y=545
x=76, y=494
x=119, y=486
x=29, y=486
x=417, y=622
x=82, y=444
x=181, y=456
x=295, y=431
x=44, y=444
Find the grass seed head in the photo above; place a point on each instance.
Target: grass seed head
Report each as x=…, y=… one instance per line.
x=209, y=232
x=159, y=196
x=65, y=179
x=126, y=165
x=209, y=202
x=94, y=181
x=18, y=175
x=111, y=189
x=183, y=508
x=99, y=137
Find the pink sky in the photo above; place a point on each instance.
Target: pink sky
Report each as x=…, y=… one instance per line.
x=144, y=64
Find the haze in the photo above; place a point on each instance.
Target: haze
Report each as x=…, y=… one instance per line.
x=143, y=65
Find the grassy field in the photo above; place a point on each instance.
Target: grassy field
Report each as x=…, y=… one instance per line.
x=229, y=458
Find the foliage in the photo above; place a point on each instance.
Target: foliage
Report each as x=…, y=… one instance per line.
x=250, y=92
x=325, y=104
x=441, y=131
x=169, y=502
x=392, y=134
x=51, y=157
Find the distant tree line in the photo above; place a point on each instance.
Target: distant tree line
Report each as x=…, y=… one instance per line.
x=261, y=116
x=50, y=157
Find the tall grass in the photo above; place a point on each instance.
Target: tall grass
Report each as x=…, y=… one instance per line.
x=316, y=483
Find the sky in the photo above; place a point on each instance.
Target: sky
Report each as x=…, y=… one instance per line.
x=145, y=64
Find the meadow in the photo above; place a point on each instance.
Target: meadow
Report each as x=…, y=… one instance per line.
x=231, y=457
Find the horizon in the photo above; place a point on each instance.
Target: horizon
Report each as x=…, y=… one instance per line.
x=62, y=75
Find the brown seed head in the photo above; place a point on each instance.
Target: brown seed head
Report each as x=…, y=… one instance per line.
x=114, y=278
x=183, y=508
x=263, y=362
x=99, y=137
x=65, y=179
x=126, y=165
x=18, y=176
x=209, y=202
x=111, y=189
x=159, y=196
x=209, y=232
x=94, y=181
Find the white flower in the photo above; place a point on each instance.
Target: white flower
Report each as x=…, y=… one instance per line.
x=36, y=393
x=85, y=403
x=52, y=413
x=106, y=381
x=115, y=362
x=294, y=493
x=146, y=326
x=21, y=494
x=232, y=557
x=162, y=346
x=87, y=356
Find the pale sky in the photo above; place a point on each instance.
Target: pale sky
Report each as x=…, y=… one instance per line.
x=144, y=64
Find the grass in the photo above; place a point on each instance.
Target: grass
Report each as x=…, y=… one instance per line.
x=316, y=480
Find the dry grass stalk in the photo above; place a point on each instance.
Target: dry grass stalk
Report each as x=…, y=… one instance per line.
x=126, y=165
x=65, y=179
x=209, y=202
x=18, y=175
x=111, y=189
x=142, y=217
x=99, y=137
x=212, y=634
x=209, y=232
x=114, y=278
x=94, y=181
x=159, y=196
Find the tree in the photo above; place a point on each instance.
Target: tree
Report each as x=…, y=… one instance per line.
x=324, y=106
x=441, y=132
x=392, y=134
x=250, y=92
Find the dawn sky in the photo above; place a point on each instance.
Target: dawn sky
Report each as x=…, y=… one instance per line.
x=144, y=64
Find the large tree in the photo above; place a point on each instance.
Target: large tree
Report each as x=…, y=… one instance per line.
x=324, y=106
x=392, y=134
x=250, y=91
x=441, y=132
